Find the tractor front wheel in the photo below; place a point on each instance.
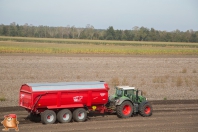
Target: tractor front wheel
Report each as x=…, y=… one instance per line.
x=124, y=110
x=146, y=110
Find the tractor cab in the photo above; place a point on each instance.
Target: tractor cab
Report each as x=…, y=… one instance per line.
x=124, y=91
x=131, y=93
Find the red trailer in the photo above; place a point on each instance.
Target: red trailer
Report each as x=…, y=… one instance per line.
x=63, y=100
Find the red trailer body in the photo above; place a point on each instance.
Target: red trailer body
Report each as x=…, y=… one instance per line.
x=71, y=101
x=38, y=97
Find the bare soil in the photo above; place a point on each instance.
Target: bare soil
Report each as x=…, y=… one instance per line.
x=172, y=81
x=168, y=116
x=160, y=77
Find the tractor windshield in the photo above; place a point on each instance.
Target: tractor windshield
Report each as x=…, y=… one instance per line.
x=119, y=92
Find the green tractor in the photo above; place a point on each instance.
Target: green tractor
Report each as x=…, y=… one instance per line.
x=128, y=101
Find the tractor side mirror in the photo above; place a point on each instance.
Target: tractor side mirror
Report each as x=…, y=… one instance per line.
x=139, y=92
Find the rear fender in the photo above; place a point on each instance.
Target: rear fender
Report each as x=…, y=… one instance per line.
x=121, y=100
x=143, y=103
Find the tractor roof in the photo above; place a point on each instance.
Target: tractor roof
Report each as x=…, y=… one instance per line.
x=125, y=87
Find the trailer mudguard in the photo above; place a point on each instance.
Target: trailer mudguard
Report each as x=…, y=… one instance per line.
x=66, y=106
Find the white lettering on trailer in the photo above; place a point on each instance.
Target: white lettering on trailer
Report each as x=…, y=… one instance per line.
x=102, y=94
x=95, y=98
x=77, y=98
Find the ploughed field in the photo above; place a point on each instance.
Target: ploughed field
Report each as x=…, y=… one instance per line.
x=168, y=116
x=159, y=77
x=170, y=82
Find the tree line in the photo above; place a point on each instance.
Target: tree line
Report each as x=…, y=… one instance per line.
x=89, y=32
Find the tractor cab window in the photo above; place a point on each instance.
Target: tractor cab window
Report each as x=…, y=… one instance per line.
x=128, y=93
x=119, y=92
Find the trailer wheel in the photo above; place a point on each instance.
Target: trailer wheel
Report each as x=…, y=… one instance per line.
x=124, y=110
x=48, y=117
x=146, y=110
x=64, y=116
x=79, y=115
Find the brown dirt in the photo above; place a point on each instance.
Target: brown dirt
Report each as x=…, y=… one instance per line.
x=174, y=78
x=167, y=116
x=160, y=77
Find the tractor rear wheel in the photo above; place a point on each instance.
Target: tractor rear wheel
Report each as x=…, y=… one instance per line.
x=124, y=110
x=64, y=116
x=48, y=117
x=146, y=110
x=80, y=115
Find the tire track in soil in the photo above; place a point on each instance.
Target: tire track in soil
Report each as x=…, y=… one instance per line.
x=159, y=106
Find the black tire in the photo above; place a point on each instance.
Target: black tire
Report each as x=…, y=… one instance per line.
x=64, y=116
x=146, y=110
x=80, y=115
x=34, y=117
x=48, y=117
x=124, y=110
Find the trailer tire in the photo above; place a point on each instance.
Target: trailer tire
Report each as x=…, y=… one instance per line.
x=64, y=116
x=48, y=117
x=124, y=110
x=80, y=115
x=146, y=110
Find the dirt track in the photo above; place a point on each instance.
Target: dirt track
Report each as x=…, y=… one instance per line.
x=167, y=116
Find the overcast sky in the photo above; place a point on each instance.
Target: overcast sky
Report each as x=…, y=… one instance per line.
x=166, y=15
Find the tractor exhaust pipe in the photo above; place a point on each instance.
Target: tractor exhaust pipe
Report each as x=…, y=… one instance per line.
x=137, y=95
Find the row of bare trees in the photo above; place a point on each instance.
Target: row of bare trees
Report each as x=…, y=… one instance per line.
x=89, y=32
